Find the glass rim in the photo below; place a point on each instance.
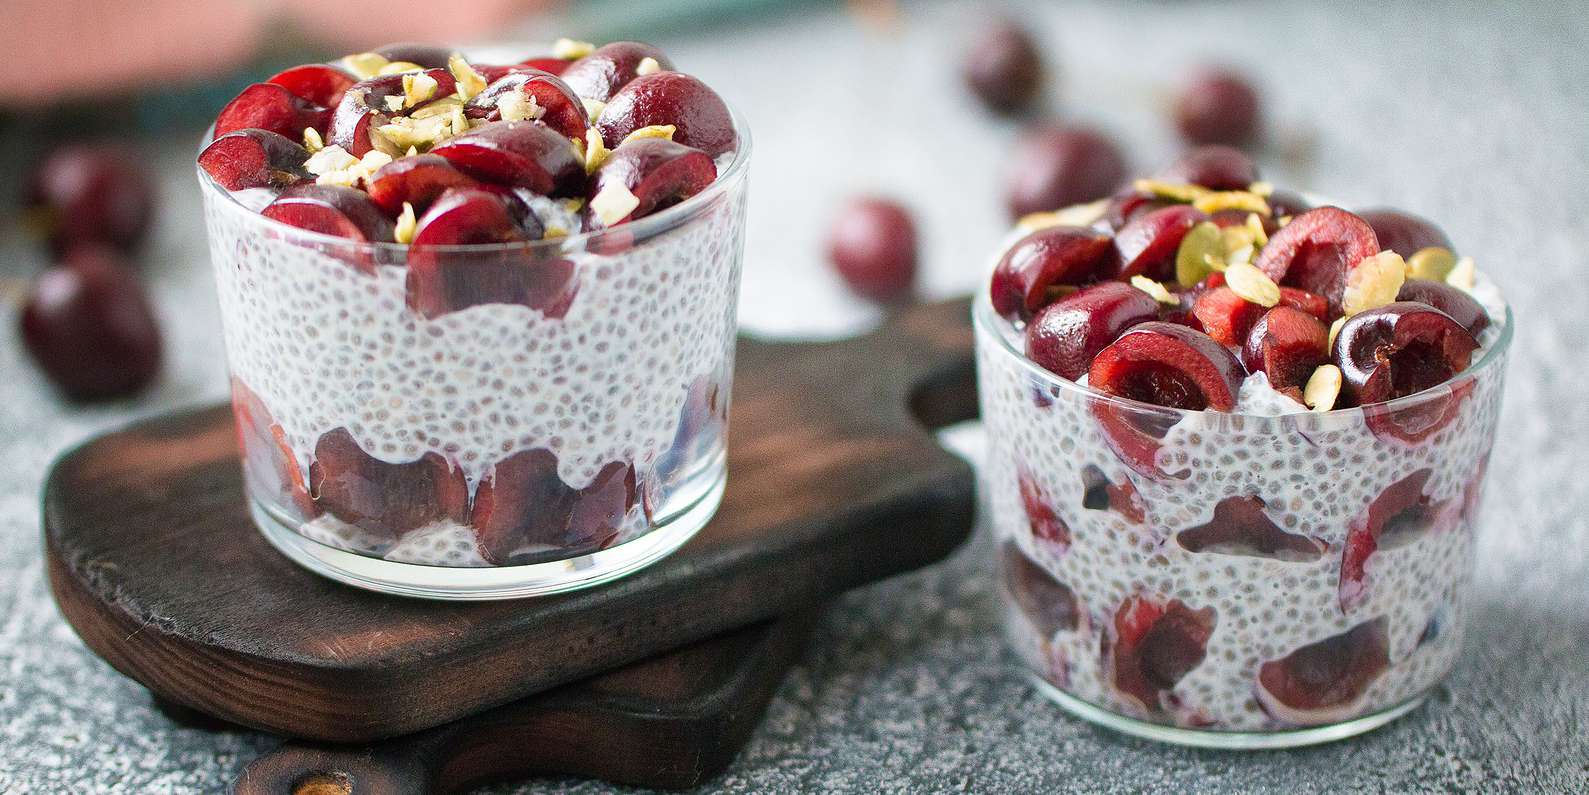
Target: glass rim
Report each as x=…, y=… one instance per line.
x=983, y=318
x=644, y=228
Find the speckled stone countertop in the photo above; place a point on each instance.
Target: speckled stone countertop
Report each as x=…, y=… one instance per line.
x=1476, y=115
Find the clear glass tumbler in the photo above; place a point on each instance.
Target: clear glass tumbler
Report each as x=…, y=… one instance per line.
x=1233, y=581
x=482, y=422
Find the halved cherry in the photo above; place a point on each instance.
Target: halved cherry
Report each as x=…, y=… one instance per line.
x=1126, y=205
x=1226, y=316
x=417, y=180
x=655, y=172
x=555, y=66
x=430, y=56
x=701, y=423
x=1058, y=255
x=1147, y=243
x=561, y=108
x=1454, y=301
x=322, y=84
x=1214, y=167
x=518, y=154
x=698, y=113
x=1041, y=518
x=1065, y=336
x=610, y=67
x=1287, y=344
x=1400, y=514
x=596, y=516
x=523, y=509
x=1098, y=494
x=1168, y=365
x=1241, y=526
x=267, y=106
x=444, y=279
x=1323, y=681
x=1403, y=232
x=1049, y=604
x=331, y=210
x=1153, y=644
x=1316, y=249
x=1399, y=349
x=254, y=158
x=381, y=496
x=1297, y=298
x=363, y=106
x=1056, y=166
x=268, y=456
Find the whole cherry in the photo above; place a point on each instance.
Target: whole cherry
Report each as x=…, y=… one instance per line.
x=1218, y=106
x=872, y=245
x=90, y=194
x=698, y=115
x=1004, y=68
x=1065, y=336
x=1055, y=166
x=89, y=327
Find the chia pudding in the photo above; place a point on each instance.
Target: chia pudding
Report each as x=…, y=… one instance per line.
x=1236, y=449
x=479, y=315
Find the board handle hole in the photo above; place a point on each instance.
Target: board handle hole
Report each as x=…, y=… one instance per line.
x=947, y=396
x=321, y=783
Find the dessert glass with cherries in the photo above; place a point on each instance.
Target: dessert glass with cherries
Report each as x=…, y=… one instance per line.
x=1237, y=443
x=479, y=313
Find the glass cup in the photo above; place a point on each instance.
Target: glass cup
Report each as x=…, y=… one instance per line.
x=488, y=421
x=1232, y=581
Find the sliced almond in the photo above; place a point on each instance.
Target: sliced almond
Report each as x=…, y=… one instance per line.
x=648, y=66
x=407, y=224
x=1374, y=282
x=1335, y=331
x=418, y=88
x=554, y=231
x=329, y=159
x=1174, y=191
x=312, y=140
x=373, y=160
x=1260, y=236
x=1074, y=215
x=399, y=67
x=395, y=102
x=1323, y=388
x=571, y=50
x=1213, y=202
x=593, y=107
x=652, y=131
x=1252, y=285
x=1261, y=188
x=595, y=151
x=441, y=107
x=1464, y=275
x=1154, y=289
x=613, y=203
x=469, y=81
x=518, y=106
x=365, y=65
x=1193, y=259
x=1434, y=262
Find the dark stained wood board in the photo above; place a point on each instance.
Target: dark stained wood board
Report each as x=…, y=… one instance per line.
x=834, y=482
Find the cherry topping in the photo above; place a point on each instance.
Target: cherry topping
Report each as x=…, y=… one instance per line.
x=1314, y=305
x=89, y=327
x=1240, y=526
x=524, y=510
x=417, y=180
x=442, y=280
x=1400, y=514
x=1403, y=232
x=384, y=497
x=254, y=159
x=267, y=106
x=517, y=154
x=1044, y=523
x=1055, y=166
x=1315, y=251
x=1322, y=682
x=90, y=194
x=1049, y=604
x=657, y=172
x=610, y=67
x=1128, y=205
x=1218, y=106
x=1454, y=301
x=364, y=104
x=1168, y=365
x=554, y=66
x=1147, y=243
x=1213, y=167
x=1399, y=349
x=873, y=247
x=1004, y=68
x=430, y=56
x=321, y=84
x=698, y=113
x=331, y=210
x=562, y=109
x=1058, y=255
x=1065, y=336
x=1225, y=316
x=1287, y=344
x=1154, y=645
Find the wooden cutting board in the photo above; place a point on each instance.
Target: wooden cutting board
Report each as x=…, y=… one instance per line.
x=834, y=482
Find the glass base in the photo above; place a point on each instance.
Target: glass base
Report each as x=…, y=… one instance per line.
x=1225, y=740
x=496, y=582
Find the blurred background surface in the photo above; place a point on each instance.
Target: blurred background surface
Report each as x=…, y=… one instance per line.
x=1472, y=114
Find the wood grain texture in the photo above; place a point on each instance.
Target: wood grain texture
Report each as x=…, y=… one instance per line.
x=833, y=483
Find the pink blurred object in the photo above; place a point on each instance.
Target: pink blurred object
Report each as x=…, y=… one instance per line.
x=351, y=25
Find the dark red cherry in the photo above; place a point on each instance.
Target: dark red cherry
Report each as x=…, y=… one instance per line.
x=331, y=210
x=1316, y=249
x=1314, y=305
x=1041, y=518
x=267, y=106
x=1146, y=245
x=1241, y=526
x=254, y=159
x=384, y=497
x=429, y=56
x=1323, y=682
x=1129, y=204
x=698, y=113
x=1403, y=232
x=270, y=462
x=1400, y=514
x=1049, y=604
x=1218, y=106
x=90, y=194
x=1168, y=365
x=321, y=84
x=554, y=66
x=1056, y=166
x=1287, y=344
x=1098, y=494
x=561, y=108
x=1004, y=67
x=517, y=154
x=872, y=245
x=1225, y=316
x=524, y=510
x=597, y=514
x=1397, y=350
x=1058, y=255
x=1454, y=301
x=656, y=172
x=1155, y=644
x=1284, y=202
x=417, y=180
x=1213, y=167
x=1065, y=336
x=363, y=105
x=610, y=67
x=89, y=327
x=442, y=280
